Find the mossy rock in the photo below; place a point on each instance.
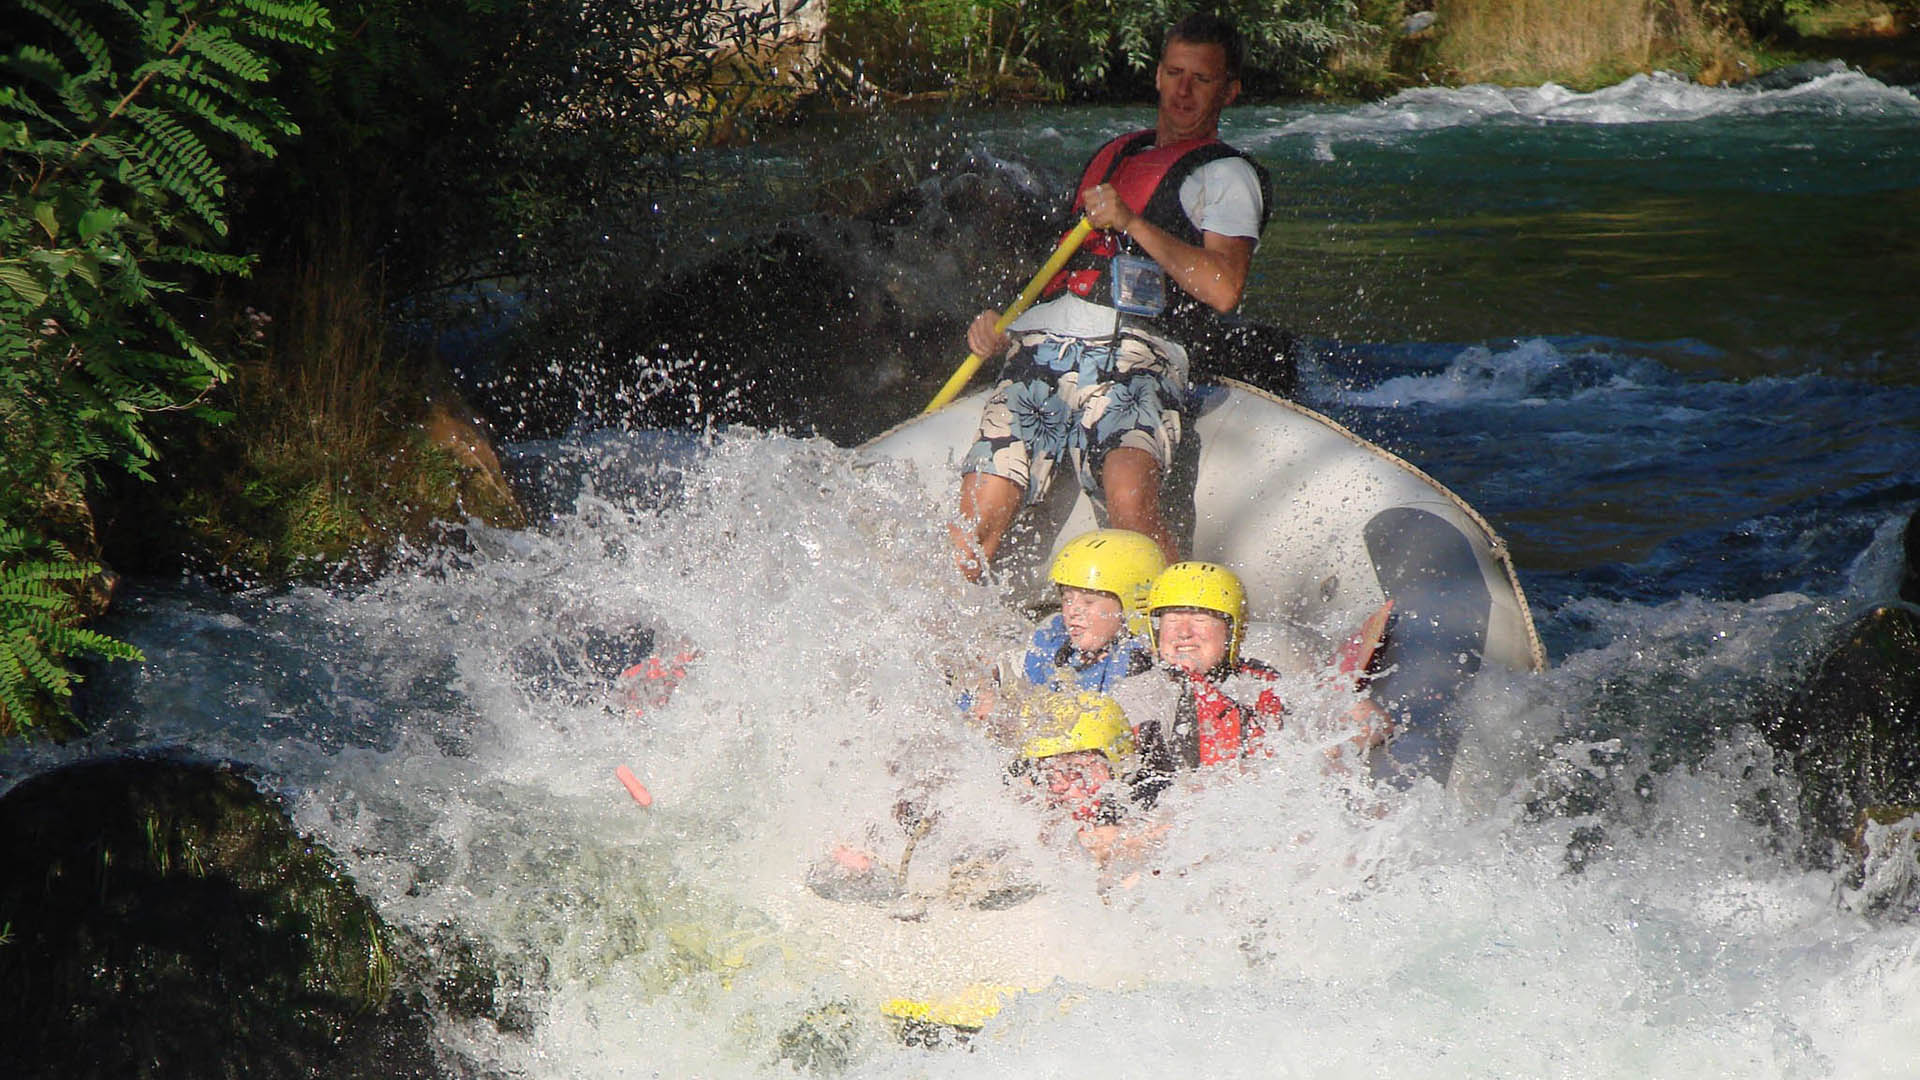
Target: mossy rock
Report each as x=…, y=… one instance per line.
x=163, y=918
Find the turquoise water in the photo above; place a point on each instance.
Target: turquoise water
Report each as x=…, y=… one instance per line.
x=1778, y=232
x=1660, y=335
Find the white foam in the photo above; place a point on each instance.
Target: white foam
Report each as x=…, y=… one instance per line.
x=1307, y=926
x=1642, y=99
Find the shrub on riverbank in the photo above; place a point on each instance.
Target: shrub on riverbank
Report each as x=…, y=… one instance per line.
x=118, y=124
x=330, y=457
x=1584, y=44
x=134, y=142
x=1079, y=51
x=1346, y=48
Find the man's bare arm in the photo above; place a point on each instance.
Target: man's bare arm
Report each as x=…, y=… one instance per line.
x=1214, y=272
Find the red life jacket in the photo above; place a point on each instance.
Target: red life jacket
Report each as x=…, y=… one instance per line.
x=1207, y=727
x=1225, y=729
x=1148, y=179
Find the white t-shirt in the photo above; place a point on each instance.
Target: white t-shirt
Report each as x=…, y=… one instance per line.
x=1222, y=196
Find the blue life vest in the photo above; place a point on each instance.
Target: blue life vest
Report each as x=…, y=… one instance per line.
x=1051, y=658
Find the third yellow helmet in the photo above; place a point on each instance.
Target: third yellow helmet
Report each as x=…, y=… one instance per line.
x=1064, y=722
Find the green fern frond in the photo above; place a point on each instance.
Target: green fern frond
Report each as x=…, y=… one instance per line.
x=211, y=261
x=218, y=48
x=91, y=45
x=180, y=159
x=94, y=643
x=203, y=107
x=14, y=684
x=28, y=653
x=24, y=283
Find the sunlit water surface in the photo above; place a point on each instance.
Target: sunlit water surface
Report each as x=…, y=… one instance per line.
x=1695, y=501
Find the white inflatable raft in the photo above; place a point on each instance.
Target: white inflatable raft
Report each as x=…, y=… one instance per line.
x=1323, y=526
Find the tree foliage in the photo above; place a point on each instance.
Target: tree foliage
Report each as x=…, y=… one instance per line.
x=39, y=631
x=114, y=122
x=481, y=139
x=1095, y=49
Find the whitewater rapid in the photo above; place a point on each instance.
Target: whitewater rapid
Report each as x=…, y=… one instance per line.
x=1689, y=540
x=429, y=730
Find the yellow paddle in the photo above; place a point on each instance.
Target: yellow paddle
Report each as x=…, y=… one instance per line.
x=1068, y=245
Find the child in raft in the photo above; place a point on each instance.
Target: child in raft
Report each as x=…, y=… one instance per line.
x=1203, y=704
x=1071, y=763
x=1068, y=763
x=1096, y=640
x=1099, y=636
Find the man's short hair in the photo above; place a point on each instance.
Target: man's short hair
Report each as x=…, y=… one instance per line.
x=1206, y=28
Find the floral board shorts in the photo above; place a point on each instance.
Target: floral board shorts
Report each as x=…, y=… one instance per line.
x=1060, y=396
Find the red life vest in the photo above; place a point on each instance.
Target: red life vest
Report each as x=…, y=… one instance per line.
x=1207, y=727
x=1225, y=729
x=1148, y=179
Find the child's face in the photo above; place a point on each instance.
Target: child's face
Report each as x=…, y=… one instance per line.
x=1093, y=618
x=1193, y=639
x=1073, y=780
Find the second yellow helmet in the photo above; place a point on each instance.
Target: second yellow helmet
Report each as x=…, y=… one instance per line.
x=1209, y=587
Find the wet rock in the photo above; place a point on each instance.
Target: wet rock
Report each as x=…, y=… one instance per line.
x=1852, y=731
x=163, y=918
x=1794, y=75
x=454, y=428
x=837, y=326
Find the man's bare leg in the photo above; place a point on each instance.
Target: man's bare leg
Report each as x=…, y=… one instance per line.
x=987, y=506
x=1131, y=477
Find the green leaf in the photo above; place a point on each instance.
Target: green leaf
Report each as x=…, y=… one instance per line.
x=99, y=220
x=23, y=283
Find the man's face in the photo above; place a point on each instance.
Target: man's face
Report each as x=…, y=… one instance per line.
x=1092, y=618
x=1194, y=86
x=1193, y=639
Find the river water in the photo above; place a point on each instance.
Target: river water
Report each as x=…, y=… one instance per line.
x=1663, y=337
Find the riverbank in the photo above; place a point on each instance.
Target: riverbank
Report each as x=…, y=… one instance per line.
x=1380, y=47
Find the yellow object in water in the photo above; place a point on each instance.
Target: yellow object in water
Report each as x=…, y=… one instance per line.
x=969, y=1009
x=1062, y=723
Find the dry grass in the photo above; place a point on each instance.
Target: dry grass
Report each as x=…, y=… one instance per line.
x=1579, y=43
x=327, y=379
x=327, y=458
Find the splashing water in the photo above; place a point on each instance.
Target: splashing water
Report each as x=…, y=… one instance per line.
x=1296, y=926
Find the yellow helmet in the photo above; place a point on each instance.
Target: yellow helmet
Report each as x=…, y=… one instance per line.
x=1207, y=586
x=1065, y=723
x=1117, y=561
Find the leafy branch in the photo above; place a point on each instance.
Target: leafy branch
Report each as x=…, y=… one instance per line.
x=115, y=120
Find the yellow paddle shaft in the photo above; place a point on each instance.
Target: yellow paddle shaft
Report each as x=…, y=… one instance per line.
x=1068, y=245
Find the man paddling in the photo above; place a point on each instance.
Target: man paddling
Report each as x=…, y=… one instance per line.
x=1098, y=369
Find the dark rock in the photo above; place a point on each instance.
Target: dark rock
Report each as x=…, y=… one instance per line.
x=1793, y=75
x=838, y=326
x=163, y=918
x=1852, y=731
x=1910, y=568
